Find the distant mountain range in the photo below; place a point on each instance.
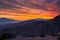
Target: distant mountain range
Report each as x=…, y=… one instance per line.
x=6, y=21
x=31, y=27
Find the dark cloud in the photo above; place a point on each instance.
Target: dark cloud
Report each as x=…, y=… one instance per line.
x=53, y=5
x=8, y=4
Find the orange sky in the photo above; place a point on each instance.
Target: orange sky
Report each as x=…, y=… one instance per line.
x=31, y=15
x=29, y=9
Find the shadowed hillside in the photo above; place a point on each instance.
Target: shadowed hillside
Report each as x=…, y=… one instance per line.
x=32, y=28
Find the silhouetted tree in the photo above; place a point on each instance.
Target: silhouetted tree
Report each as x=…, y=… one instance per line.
x=42, y=35
x=7, y=36
x=58, y=36
x=27, y=35
x=53, y=34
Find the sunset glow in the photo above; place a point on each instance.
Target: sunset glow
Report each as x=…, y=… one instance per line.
x=27, y=10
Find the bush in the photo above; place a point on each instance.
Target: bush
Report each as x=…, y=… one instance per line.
x=53, y=34
x=7, y=36
x=58, y=38
x=42, y=35
x=28, y=35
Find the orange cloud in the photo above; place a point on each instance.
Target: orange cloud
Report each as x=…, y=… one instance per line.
x=30, y=9
x=36, y=13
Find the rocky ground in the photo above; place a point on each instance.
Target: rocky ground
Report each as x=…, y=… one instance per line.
x=48, y=37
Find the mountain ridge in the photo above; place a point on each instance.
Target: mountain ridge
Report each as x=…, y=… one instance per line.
x=6, y=21
x=34, y=27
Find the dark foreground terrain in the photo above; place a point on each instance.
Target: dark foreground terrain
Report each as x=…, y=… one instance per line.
x=36, y=29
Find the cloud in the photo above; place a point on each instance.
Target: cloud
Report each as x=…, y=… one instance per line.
x=30, y=7
x=39, y=4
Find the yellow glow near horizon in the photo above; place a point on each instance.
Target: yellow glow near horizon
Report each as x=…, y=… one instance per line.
x=27, y=16
x=32, y=9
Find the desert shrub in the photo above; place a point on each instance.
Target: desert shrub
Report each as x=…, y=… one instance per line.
x=53, y=34
x=58, y=38
x=7, y=36
x=28, y=35
x=42, y=35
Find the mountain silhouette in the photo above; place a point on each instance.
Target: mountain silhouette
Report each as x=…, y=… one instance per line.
x=34, y=27
x=6, y=21
x=29, y=27
x=57, y=18
x=55, y=24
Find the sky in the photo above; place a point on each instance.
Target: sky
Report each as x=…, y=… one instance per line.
x=29, y=9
